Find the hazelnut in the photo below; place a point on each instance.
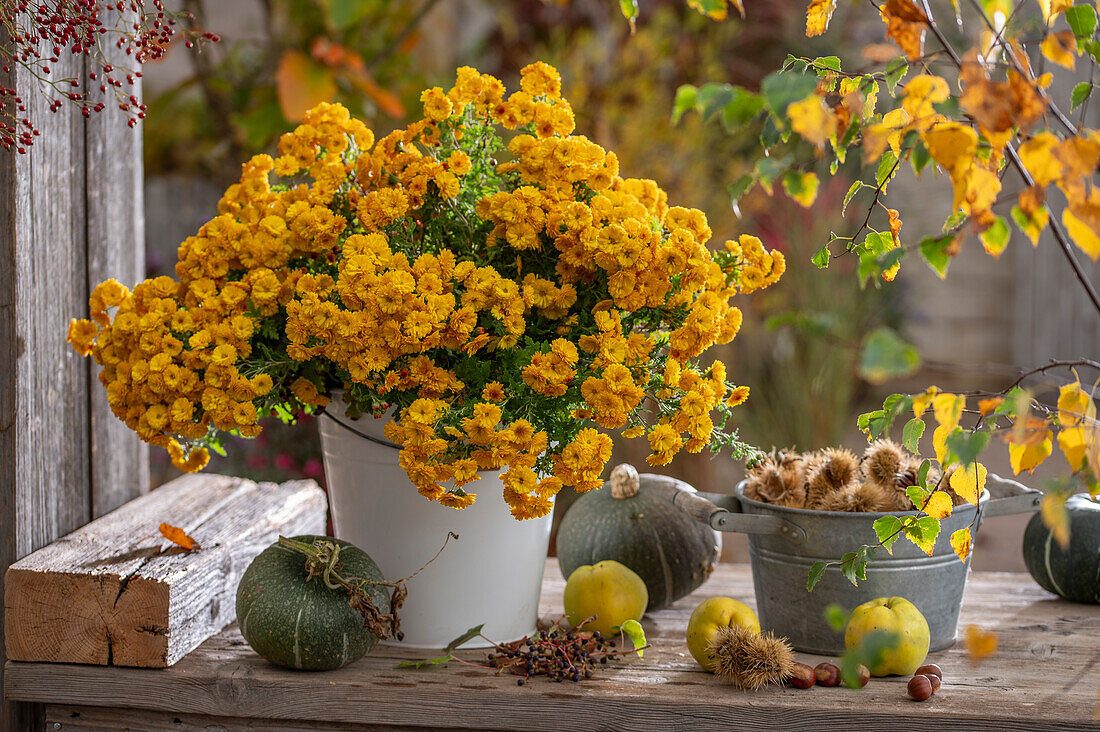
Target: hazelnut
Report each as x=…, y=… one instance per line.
x=802, y=676
x=827, y=674
x=920, y=688
x=935, y=681
x=930, y=669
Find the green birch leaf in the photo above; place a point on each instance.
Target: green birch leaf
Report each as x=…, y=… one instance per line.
x=1080, y=93
x=780, y=88
x=1082, y=20
x=821, y=258
x=911, y=434
x=684, y=102
x=470, y=634
x=967, y=446
x=887, y=529
x=895, y=71
x=712, y=98
x=934, y=250
x=741, y=108
x=995, y=238
x=852, y=191
x=816, y=571
x=919, y=157
x=884, y=356
x=887, y=169
x=738, y=188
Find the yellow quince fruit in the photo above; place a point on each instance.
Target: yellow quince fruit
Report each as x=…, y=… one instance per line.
x=708, y=617
x=897, y=616
x=610, y=591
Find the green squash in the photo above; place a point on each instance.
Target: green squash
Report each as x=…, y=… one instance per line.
x=632, y=520
x=300, y=623
x=1074, y=574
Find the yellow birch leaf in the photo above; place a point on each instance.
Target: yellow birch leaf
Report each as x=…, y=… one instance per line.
x=895, y=225
x=1029, y=431
x=1074, y=444
x=982, y=187
x=811, y=120
x=921, y=401
x=1030, y=213
x=939, y=440
x=948, y=409
x=875, y=139
x=988, y=102
x=1082, y=221
x=921, y=92
x=1079, y=157
x=802, y=187
x=1027, y=457
x=980, y=643
x=818, y=15
x=1053, y=8
x=740, y=5
x=1060, y=48
x=985, y=406
x=1037, y=155
x=969, y=482
x=1056, y=517
x=1083, y=236
x=961, y=542
x=1028, y=105
x=953, y=145
x=1074, y=405
x=938, y=505
x=905, y=25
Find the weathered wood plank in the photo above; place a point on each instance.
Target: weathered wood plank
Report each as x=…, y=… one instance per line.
x=92, y=719
x=116, y=249
x=43, y=383
x=115, y=592
x=1045, y=675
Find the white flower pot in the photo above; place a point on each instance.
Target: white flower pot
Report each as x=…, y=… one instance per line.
x=492, y=574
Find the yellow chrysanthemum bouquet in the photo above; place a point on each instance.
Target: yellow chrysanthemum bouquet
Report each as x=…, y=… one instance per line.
x=484, y=273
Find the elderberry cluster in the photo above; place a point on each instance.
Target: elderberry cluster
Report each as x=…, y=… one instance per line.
x=42, y=32
x=561, y=655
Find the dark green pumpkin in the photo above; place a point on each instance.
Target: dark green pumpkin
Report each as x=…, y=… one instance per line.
x=1073, y=573
x=671, y=552
x=300, y=623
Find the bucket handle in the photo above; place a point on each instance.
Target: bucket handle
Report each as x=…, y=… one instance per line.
x=723, y=519
x=1009, y=497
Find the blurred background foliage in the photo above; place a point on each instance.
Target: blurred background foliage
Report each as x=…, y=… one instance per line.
x=798, y=349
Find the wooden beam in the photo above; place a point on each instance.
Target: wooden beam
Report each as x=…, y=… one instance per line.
x=116, y=249
x=44, y=423
x=57, y=440
x=116, y=592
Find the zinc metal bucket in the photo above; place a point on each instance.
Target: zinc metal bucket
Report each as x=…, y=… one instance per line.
x=785, y=542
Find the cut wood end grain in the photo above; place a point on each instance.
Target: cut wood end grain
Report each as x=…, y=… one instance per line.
x=112, y=593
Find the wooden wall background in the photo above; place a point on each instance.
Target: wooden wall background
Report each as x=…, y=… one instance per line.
x=70, y=216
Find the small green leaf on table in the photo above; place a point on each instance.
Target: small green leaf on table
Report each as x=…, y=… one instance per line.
x=632, y=629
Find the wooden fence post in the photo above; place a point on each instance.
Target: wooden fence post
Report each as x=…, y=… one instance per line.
x=70, y=216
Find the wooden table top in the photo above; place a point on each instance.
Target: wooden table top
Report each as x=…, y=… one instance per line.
x=1045, y=674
